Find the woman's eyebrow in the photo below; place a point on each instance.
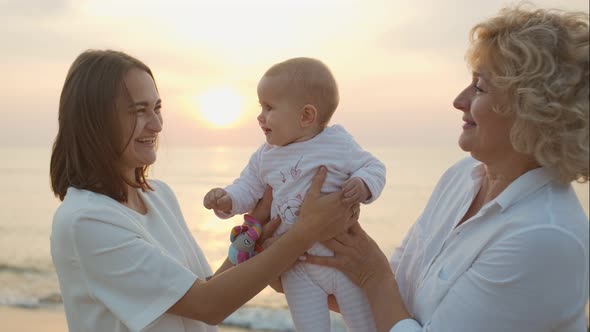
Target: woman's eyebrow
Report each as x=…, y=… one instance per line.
x=144, y=103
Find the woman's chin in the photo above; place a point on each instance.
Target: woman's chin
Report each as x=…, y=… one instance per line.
x=145, y=162
x=464, y=144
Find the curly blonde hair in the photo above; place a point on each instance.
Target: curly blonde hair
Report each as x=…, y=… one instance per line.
x=539, y=58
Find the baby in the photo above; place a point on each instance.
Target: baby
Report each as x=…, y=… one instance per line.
x=298, y=98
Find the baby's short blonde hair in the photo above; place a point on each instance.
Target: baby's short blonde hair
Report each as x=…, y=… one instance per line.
x=309, y=81
x=539, y=59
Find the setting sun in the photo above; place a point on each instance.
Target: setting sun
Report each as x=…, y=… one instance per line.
x=220, y=107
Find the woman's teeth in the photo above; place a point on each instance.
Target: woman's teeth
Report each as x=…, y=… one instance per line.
x=149, y=140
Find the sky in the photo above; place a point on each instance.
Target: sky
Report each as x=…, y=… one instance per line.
x=399, y=64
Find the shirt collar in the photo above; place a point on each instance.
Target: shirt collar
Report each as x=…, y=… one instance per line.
x=524, y=185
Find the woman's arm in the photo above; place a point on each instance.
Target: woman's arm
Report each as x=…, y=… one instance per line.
x=261, y=212
x=494, y=294
x=359, y=257
x=321, y=218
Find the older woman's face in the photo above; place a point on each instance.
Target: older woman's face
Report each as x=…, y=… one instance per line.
x=141, y=121
x=486, y=134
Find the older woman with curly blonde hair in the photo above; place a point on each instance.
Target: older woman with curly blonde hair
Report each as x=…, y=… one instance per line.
x=540, y=61
x=502, y=244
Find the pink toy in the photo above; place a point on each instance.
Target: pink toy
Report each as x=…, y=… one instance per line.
x=243, y=240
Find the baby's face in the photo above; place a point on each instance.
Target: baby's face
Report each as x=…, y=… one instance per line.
x=279, y=118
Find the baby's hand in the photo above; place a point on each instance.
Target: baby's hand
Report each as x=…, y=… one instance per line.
x=355, y=191
x=218, y=199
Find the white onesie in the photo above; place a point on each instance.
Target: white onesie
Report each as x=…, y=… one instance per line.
x=289, y=170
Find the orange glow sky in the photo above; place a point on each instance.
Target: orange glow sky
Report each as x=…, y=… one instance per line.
x=399, y=65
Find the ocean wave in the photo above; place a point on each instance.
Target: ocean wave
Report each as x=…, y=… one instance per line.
x=22, y=269
x=249, y=317
x=32, y=302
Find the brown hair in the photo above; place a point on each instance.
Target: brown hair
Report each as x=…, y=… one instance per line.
x=311, y=82
x=540, y=59
x=88, y=142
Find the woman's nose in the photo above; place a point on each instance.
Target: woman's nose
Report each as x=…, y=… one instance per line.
x=462, y=100
x=155, y=123
x=260, y=118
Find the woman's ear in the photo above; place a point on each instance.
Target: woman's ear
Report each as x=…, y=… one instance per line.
x=309, y=115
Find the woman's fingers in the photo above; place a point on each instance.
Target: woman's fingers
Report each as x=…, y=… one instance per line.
x=355, y=254
x=267, y=196
x=351, y=198
x=355, y=228
x=322, y=216
x=345, y=239
x=334, y=245
x=261, y=211
x=329, y=261
x=270, y=241
x=268, y=230
x=317, y=182
x=354, y=212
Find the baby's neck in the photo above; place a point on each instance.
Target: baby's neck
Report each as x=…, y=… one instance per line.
x=310, y=133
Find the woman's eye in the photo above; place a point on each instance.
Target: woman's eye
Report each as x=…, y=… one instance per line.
x=477, y=89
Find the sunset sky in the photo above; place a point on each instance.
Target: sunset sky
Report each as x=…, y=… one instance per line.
x=399, y=64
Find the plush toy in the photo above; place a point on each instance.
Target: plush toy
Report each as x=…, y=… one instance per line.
x=243, y=240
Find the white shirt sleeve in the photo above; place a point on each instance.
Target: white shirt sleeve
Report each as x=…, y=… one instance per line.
x=246, y=190
x=136, y=281
x=365, y=166
x=510, y=288
x=398, y=252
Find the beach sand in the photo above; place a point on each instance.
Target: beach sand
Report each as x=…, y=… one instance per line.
x=47, y=320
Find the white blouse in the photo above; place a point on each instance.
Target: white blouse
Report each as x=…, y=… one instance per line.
x=519, y=264
x=120, y=270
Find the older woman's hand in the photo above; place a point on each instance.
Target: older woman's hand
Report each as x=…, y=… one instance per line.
x=361, y=260
x=355, y=254
x=322, y=217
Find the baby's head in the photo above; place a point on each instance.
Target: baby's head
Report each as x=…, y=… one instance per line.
x=298, y=97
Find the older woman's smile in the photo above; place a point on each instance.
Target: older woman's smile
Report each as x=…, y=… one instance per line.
x=469, y=124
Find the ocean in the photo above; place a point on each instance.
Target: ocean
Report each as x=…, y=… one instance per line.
x=27, y=276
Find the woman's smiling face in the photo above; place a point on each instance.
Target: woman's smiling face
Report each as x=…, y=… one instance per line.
x=141, y=121
x=486, y=133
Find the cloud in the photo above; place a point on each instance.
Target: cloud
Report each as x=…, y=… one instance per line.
x=17, y=9
x=441, y=28
x=392, y=58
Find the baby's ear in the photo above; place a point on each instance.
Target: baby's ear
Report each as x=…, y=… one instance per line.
x=309, y=115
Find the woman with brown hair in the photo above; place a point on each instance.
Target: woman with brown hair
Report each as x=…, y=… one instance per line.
x=124, y=256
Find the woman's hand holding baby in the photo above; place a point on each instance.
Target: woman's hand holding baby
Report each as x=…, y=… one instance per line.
x=261, y=212
x=322, y=217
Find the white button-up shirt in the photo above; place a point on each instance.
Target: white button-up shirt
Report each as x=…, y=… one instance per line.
x=519, y=264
